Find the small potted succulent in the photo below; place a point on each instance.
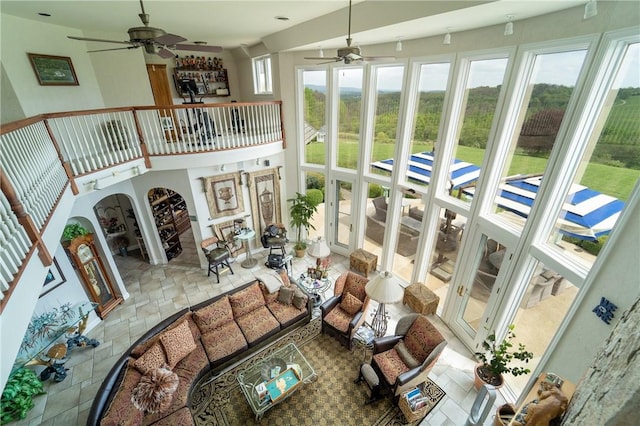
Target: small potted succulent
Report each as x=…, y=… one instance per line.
x=496, y=358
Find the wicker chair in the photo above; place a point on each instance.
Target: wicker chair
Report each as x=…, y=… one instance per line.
x=217, y=254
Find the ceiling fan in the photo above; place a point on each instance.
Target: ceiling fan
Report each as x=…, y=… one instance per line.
x=350, y=53
x=155, y=40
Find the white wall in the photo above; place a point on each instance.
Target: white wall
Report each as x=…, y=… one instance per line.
x=21, y=36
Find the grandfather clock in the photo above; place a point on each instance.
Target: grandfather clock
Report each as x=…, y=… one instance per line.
x=93, y=274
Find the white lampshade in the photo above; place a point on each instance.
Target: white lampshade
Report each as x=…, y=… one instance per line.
x=319, y=249
x=384, y=288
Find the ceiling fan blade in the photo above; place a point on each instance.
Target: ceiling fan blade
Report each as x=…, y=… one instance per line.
x=378, y=58
x=199, y=48
x=163, y=52
x=115, y=48
x=98, y=39
x=323, y=58
x=169, y=39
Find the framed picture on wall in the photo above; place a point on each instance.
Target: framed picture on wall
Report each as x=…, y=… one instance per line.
x=53, y=70
x=53, y=279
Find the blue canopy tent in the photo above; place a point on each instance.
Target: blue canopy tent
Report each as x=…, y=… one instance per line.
x=461, y=173
x=586, y=214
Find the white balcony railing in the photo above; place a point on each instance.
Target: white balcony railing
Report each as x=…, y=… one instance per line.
x=41, y=155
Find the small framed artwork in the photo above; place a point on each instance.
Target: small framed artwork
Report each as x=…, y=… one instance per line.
x=53, y=70
x=53, y=279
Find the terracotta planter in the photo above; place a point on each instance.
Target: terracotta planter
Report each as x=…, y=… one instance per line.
x=478, y=381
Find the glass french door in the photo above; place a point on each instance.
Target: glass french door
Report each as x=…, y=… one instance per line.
x=342, y=214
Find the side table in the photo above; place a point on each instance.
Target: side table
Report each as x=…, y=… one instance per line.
x=420, y=299
x=246, y=236
x=362, y=261
x=363, y=341
x=316, y=287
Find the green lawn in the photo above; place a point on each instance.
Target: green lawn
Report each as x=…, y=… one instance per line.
x=615, y=181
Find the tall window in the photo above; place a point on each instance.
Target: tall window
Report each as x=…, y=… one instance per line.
x=262, y=75
x=350, y=92
x=315, y=123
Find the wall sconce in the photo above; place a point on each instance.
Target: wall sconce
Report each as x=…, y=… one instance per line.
x=590, y=9
x=257, y=161
x=320, y=52
x=399, y=45
x=508, y=28
x=223, y=168
x=447, y=37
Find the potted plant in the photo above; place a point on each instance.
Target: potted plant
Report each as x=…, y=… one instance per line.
x=496, y=358
x=302, y=210
x=17, y=397
x=73, y=230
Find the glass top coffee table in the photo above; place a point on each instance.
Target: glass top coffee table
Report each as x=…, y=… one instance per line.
x=267, y=383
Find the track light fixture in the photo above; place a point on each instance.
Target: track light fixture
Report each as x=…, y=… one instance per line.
x=399, y=45
x=447, y=37
x=590, y=9
x=508, y=28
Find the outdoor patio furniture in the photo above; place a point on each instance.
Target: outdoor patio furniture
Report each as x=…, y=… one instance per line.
x=381, y=205
x=407, y=240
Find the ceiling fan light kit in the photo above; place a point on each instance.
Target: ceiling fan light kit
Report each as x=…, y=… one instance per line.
x=349, y=53
x=155, y=41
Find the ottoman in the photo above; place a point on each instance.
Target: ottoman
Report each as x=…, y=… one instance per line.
x=420, y=299
x=363, y=262
x=371, y=379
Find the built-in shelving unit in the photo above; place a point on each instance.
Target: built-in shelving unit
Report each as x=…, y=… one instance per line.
x=171, y=218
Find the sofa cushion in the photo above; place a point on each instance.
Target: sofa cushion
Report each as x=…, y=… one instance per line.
x=231, y=335
x=286, y=314
x=245, y=301
x=214, y=315
x=422, y=338
x=390, y=364
x=178, y=343
x=350, y=304
x=190, y=367
x=405, y=355
x=142, y=347
x=268, y=297
x=285, y=295
x=154, y=392
x=181, y=417
x=258, y=324
x=299, y=299
x=151, y=360
x=338, y=319
x=120, y=411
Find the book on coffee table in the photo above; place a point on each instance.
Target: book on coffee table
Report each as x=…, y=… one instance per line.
x=281, y=385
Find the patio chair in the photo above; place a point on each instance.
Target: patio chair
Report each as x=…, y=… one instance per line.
x=217, y=253
x=404, y=360
x=343, y=313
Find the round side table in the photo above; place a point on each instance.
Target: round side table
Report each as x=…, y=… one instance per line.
x=315, y=287
x=246, y=236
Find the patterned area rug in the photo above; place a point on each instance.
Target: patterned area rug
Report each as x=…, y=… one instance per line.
x=330, y=400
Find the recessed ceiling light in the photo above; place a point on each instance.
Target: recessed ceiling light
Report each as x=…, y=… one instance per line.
x=281, y=18
x=44, y=14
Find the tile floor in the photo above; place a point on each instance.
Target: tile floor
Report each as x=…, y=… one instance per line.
x=159, y=291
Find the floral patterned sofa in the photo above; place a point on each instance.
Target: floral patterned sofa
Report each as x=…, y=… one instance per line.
x=204, y=339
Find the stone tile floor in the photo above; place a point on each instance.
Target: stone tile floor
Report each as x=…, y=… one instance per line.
x=159, y=291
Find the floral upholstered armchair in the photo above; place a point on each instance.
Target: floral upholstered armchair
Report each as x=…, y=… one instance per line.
x=343, y=313
x=404, y=360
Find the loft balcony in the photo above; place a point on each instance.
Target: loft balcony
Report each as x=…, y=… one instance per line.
x=89, y=150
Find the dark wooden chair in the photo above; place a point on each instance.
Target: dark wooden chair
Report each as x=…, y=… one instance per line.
x=217, y=254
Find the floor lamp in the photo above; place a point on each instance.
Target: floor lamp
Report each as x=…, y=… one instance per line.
x=384, y=288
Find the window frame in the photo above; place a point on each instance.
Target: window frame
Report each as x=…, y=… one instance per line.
x=262, y=75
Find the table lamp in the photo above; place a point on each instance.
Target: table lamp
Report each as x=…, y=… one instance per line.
x=384, y=288
x=321, y=251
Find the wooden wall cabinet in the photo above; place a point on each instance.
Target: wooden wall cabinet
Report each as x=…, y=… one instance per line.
x=93, y=274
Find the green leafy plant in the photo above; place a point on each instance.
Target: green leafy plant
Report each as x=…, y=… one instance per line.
x=303, y=207
x=498, y=355
x=17, y=397
x=72, y=231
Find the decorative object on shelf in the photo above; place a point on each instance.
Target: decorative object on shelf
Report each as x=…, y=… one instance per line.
x=264, y=193
x=197, y=75
x=53, y=70
x=301, y=211
x=18, y=393
x=495, y=360
x=605, y=310
x=93, y=274
x=223, y=196
x=53, y=279
x=384, y=289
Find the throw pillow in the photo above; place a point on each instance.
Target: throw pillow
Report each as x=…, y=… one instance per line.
x=350, y=304
x=405, y=355
x=285, y=295
x=272, y=281
x=177, y=343
x=299, y=299
x=155, y=390
x=152, y=359
x=213, y=316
